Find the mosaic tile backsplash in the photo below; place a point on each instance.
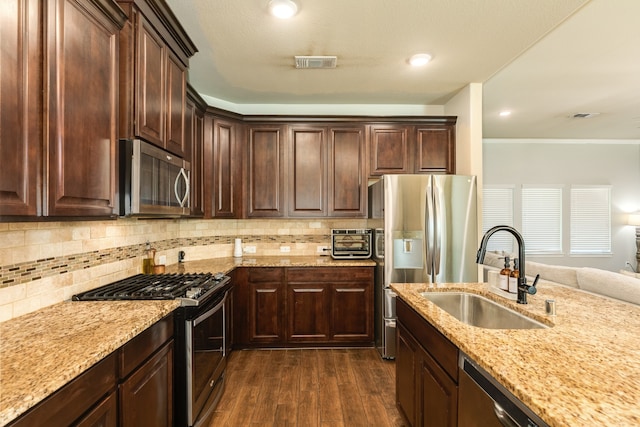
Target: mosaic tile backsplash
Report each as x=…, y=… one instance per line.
x=46, y=263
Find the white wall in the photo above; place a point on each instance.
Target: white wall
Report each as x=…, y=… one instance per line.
x=567, y=162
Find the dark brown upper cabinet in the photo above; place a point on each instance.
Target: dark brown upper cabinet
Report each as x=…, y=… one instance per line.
x=21, y=126
x=347, y=183
x=389, y=146
x=326, y=171
x=154, y=59
x=307, y=151
x=194, y=136
x=223, y=168
x=424, y=147
x=435, y=149
x=265, y=170
x=59, y=122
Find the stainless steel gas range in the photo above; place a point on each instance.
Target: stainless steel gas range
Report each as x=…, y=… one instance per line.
x=202, y=326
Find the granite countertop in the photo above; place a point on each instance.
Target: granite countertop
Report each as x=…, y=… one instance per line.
x=44, y=350
x=226, y=265
x=583, y=371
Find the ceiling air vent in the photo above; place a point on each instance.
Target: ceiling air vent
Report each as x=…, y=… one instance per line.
x=584, y=115
x=315, y=62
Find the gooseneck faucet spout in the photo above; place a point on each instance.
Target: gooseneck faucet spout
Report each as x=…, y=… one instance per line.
x=523, y=288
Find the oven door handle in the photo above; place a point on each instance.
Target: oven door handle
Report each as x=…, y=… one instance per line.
x=208, y=313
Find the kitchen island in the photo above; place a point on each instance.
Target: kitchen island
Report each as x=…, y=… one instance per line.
x=582, y=371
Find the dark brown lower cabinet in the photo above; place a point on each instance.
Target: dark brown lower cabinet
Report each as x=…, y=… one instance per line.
x=308, y=312
x=352, y=309
x=426, y=372
x=133, y=386
x=146, y=397
x=83, y=394
x=105, y=414
x=258, y=307
x=292, y=306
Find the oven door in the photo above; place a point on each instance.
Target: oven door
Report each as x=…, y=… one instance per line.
x=206, y=360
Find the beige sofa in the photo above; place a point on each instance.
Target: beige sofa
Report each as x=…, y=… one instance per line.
x=624, y=286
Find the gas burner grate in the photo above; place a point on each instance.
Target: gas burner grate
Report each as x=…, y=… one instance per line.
x=146, y=287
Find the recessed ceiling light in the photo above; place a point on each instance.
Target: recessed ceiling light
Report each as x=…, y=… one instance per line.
x=283, y=9
x=419, y=59
x=505, y=113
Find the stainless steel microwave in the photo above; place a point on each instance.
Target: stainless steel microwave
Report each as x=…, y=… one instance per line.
x=153, y=182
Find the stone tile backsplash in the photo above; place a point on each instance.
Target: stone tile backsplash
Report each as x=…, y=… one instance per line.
x=47, y=262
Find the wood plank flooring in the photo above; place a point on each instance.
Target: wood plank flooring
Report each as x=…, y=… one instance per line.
x=309, y=387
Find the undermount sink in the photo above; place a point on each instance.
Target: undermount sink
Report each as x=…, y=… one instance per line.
x=481, y=312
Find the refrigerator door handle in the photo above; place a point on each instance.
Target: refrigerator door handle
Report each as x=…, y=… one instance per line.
x=437, y=238
x=428, y=228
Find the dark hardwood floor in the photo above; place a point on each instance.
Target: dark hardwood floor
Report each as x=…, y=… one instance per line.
x=314, y=387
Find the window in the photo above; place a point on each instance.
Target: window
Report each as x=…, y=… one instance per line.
x=542, y=219
x=590, y=220
x=497, y=209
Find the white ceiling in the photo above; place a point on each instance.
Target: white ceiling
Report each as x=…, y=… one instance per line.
x=545, y=59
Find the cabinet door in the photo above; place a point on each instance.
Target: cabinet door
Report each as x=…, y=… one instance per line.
x=151, y=80
x=407, y=360
x=352, y=311
x=105, y=414
x=264, y=298
x=438, y=394
x=176, y=104
x=266, y=171
x=146, y=397
x=308, y=315
x=225, y=169
x=347, y=172
x=308, y=171
x=194, y=121
x=20, y=107
x=82, y=85
x=390, y=150
x=435, y=149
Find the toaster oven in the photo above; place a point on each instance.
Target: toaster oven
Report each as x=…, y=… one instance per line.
x=350, y=243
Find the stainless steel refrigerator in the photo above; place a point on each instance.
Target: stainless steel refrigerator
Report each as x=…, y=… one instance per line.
x=425, y=231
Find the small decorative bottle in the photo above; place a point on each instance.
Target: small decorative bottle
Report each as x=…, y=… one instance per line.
x=504, y=275
x=149, y=261
x=513, y=277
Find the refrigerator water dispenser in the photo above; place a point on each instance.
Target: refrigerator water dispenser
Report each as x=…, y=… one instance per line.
x=408, y=253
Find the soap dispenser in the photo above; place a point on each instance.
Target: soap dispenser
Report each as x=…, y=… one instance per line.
x=505, y=273
x=513, y=277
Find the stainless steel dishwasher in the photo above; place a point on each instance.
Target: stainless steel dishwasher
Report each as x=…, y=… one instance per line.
x=483, y=402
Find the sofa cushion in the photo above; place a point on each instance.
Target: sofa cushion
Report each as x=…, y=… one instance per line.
x=553, y=273
x=610, y=284
x=630, y=273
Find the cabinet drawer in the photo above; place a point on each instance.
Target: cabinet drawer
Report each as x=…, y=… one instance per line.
x=442, y=350
x=133, y=353
x=329, y=274
x=268, y=274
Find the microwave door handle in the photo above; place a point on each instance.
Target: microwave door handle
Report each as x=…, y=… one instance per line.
x=187, y=188
x=181, y=200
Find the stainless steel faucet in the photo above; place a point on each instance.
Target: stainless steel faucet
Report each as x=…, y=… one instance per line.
x=523, y=288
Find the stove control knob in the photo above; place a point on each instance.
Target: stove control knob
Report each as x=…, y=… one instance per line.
x=193, y=292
